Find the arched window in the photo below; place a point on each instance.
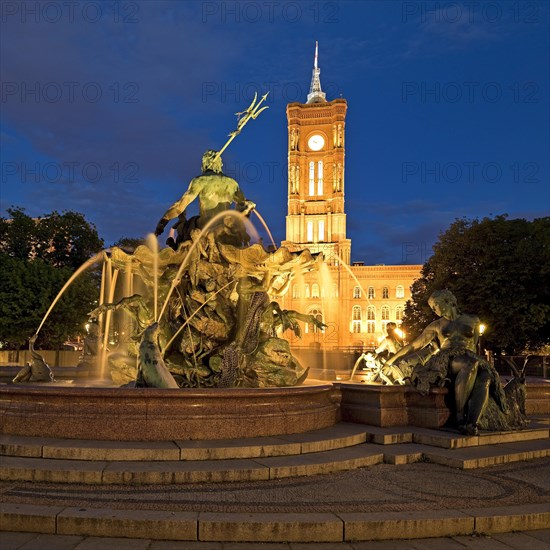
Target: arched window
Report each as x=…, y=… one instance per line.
x=307, y=291
x=315, y=290
x=321, y=231
x=385, y=292
x=370, y=293
x=310, y=327
x=371, y=313
x=399, y=292
x=356, y=292
x=311, y=179
x=356, y=319
x=385, y=313
x=295, y=291
x=320, y=178
x=399, y=313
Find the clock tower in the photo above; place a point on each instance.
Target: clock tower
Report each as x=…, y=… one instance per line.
x=316, y=150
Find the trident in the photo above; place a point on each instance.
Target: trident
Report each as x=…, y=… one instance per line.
x=242, y=118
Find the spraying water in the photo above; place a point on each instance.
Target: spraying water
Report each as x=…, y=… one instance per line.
x=78, y=272
x=153, y=245
x=266, y=228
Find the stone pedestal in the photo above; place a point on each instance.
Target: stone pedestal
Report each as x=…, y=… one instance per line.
x=384, y=406
x=144, y=414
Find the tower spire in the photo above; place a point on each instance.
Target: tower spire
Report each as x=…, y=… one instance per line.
x=316, y=95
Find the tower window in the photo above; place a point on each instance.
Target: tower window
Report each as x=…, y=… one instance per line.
x=320, y=178
x=309, y=232
x=370, y=293
x=321, y=234
x=357, y=292
x=385, y=292
x=311, y=179
x=400, y=292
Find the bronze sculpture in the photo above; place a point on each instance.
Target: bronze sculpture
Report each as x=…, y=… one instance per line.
x=445, y=352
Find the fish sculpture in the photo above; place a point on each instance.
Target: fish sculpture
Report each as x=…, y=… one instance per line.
x=37, y=370
x=152, y=372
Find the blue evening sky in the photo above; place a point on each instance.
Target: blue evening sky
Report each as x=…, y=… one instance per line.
x=107, y=107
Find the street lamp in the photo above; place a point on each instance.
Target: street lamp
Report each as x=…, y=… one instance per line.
x=482, y=328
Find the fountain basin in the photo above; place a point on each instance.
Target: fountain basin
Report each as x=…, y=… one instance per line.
x=145, y=414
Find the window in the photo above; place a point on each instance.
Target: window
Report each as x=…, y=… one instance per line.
x=334, y=292
x=399, y=313
x=356, y=313
x=400, y=292
x=321, y=232
x=320, y=178
x=295, y=291
x=356, y=327
x=315, y=290
x=371, y=313
x=370, y=327
x=385, y=292
x=370, y=293
x=357, y=292
x=311, y=179
x=309, y=232
x=307, y=291
x=310, y=327
x=385, y=313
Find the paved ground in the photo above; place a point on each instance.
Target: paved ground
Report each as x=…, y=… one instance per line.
x=531, y=540
x=379, y=488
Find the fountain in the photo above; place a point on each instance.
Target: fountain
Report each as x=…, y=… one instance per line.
x=206, y=357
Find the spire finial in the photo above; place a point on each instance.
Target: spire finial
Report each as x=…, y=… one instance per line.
x=316, y=95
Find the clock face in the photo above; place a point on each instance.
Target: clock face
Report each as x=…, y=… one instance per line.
x=316, y=142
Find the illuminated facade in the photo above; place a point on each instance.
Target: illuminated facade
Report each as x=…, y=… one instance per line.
x=355, y=301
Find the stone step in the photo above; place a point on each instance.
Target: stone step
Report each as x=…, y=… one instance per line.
x=467, y=457
x=272, y=527
x=339, y=436
x=17, y=468
x=480, y=457
x=452, y=439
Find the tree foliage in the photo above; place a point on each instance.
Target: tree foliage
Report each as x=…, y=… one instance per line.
x=38, y=257
x=498, y=269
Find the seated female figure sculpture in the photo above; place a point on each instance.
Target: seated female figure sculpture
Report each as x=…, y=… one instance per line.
x=474, y=382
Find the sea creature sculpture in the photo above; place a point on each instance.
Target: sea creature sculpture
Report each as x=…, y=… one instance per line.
x=37, y=370
x=152, y=371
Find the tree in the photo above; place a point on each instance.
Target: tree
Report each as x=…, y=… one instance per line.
x=62, y=240
x=498, y=269
x=38, y=256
